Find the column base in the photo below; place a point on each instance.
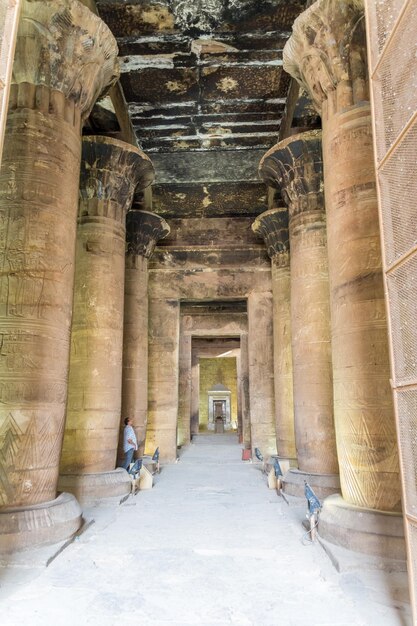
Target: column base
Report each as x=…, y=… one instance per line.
x=376, y=533
x=94, y=488
x=323, y=485
x=40, y=524
x=286, y=463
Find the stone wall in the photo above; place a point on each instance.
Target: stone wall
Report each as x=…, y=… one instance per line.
x=220, y=371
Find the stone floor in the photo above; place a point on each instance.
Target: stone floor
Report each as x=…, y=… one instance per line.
x=210, y=544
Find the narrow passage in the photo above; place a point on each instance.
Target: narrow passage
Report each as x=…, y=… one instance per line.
x=210, y=544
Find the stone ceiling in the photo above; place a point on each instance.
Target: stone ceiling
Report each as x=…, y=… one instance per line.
x=206, y=92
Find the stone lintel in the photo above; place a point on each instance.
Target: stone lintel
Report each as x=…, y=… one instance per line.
x=63, y=46
x=295, y=166
x=272, y=225
x=327, y=51
x=111, y=170
x=143, y=230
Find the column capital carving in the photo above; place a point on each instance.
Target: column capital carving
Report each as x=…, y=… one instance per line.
x=65, y=47
x=327, y=51
x=143, y=230
x=111, y=170
x=295, y=166
x=272, y=225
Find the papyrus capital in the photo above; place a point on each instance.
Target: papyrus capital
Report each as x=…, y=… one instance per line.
x=295, y=166
x=272, y=225
x=62, y=45
x=143, y=231
x=111, y=170
x=327, y=50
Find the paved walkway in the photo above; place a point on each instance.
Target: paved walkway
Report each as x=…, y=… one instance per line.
x=210, y=544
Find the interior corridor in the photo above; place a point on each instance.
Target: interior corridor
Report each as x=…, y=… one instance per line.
x=209, y=544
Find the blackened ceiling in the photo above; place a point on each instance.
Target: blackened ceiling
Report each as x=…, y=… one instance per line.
x=206, y=92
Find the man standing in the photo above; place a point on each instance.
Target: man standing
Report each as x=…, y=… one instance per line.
x=130, y=443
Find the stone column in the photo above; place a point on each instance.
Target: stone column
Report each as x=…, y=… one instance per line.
x=144, y=229
x=295, y=165
x=110, y=171
x=195, y=394
x=184, y=392
x=56, y=79
x=244, y=387
x=164, y=331
x=9, y=21
x=327, y=55
x=261, y=373
x=273, y=227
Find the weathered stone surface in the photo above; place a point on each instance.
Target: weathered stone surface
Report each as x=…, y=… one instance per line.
x=228, y=82
x=185, y=386
x=327, y=54
x=273, y=227
x=110, y=172
x=295, y=164
x=217, y=371
x=164, y=324
x=9, y=20
x=365, y=426
x=132, y=18
x=143, y=231
x=204, y=167
x=230, y=233
x=40, y=524
x=362, y=530
x=211, y=199
x=65, y=48
x=261, y=372
x=159, y=85
x=56, y=79
x=323, y=485
x=92, y=488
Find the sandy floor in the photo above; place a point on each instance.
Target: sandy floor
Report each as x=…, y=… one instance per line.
x=210, y=544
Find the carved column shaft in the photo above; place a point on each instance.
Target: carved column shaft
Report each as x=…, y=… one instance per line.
x=273, y=226
x=143, y=231
x=110, y=172
x=9, y=21
x=184, y=399
x=261, y=372
x=327, y=55
x=56, y=79
x=295, y=164
x=244, y=390
x=164, y=327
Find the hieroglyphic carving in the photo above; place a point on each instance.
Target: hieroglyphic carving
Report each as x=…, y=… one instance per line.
x=365, y=427
x=64, y=57
x=295, y=166
x=111, y=170
x=67, y=48
x=144, y=229
x=9, y=19
x=327, y=51
x=272, y=225
x=29, y=452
